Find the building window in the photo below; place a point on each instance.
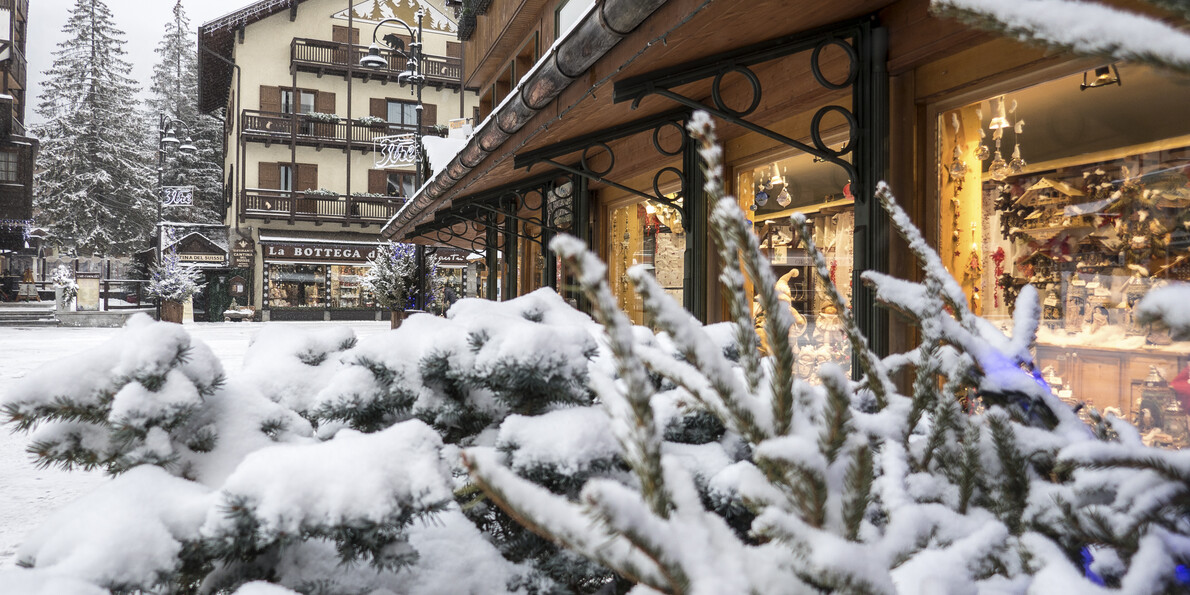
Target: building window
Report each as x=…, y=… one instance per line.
x=302, y=100
x=399, y=184
x=1087, y=204
x=9, y=170
x=402, y=112
x=286, y=177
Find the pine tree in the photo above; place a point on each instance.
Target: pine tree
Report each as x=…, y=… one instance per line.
x=94, y=189
x=175, y=94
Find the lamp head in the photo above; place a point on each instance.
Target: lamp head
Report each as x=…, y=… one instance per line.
x=169, y=141
x=188, y=147
x=373, y=59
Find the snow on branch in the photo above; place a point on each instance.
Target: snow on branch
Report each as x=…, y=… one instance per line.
x=1082, y=27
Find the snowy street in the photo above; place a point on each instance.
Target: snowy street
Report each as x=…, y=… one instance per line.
x=29, y=494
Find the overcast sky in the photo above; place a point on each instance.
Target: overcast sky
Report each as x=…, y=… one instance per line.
x=143, y=23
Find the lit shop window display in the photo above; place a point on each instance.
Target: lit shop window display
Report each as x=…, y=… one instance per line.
x=772, y=192
x=297, y=285
x=1079, y=187
x=650, y=234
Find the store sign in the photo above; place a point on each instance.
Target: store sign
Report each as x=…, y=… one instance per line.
x=243, y=253
x=397, y=150
x=177, y=196
x=321, y=252
x=183, y=257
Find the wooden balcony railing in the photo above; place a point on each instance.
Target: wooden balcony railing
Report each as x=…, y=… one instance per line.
x=273, y=127
x=331, y=57
x=299, y=206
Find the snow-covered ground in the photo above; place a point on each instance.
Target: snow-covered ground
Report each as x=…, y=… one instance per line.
x=29, y=494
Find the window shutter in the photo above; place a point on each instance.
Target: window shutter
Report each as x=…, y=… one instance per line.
x=270, y=176
x=454, y=49
x=324, y=102
x=429, y=116
x=378, y=108
x=307, y=176
x=377, y=181
x=270, y=99
x=339, y=34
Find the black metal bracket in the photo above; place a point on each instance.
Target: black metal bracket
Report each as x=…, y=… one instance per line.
x=584, y=144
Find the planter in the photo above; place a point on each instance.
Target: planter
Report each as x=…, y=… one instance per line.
x=172, y=311
x=396, y=317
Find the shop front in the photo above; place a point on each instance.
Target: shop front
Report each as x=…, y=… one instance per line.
x=1021, y=166
x=317, y=280
x=1075, y=181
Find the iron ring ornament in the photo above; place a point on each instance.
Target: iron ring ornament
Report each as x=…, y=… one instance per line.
x=681, y=188
x=717, y=93
x=586, y=164
x=682, y=134
x=852, y=64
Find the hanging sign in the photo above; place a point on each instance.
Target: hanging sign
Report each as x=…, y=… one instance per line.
x=177, y=196
x=392, y=151
x=243, y=252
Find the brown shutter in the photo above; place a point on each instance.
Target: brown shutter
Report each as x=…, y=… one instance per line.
x=379, y=108
x=454, y=49
x=270, y=176
x=324, y=102
x=377, y=181
x=270, y=99
x=307, y=177
x=429, y=115
x=339, y=35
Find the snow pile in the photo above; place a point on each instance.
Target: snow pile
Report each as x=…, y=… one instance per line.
x=127, y=535
x=440, y=151
x=290, y=365
x=375, y=484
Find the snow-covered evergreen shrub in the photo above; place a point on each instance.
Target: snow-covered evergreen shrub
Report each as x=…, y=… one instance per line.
x=173, y=281
x=855, y=487
x=392, y=274
x=63, y=278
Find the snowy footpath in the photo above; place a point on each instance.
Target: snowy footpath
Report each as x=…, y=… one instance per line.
x=29, y=494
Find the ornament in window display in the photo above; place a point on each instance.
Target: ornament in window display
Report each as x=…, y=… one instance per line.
x=1016, y=167
x=783, y=198
x=1099, y=318
x=1051, y=306
x=762, y=198
x=998, y=170
x=828, y=329
x=958, y=167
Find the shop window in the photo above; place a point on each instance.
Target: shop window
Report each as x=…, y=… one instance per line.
x=649, y=234
x=9, y=167
x=346, y=290
x=297, y=285
x=772, y=192
x=1084, y=194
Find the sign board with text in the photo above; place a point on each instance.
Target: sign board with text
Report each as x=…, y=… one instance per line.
x=356, y=253
x=177, y=196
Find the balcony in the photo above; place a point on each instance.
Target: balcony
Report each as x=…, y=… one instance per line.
x=336, y=58
x=14, y=63
x=273, y=127
x=299, y=206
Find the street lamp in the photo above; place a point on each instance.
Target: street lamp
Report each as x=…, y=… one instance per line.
x=413, y=75
x=168, y=129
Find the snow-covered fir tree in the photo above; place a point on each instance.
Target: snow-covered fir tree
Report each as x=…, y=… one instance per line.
x=175, y=94
x=93, y=192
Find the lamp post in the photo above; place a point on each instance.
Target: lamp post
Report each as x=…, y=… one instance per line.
x=413, y=73
x=416, y=79
x=168, y=130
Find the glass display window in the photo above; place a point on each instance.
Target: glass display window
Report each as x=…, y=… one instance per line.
x=771, y=193
x=346, y=289
x=297, y=285
x=1083, y=192
x=650, y=234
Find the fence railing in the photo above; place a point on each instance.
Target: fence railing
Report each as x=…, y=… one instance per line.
x=281, y=128
x=336, y=56
x=114, y=294
x=300, y=206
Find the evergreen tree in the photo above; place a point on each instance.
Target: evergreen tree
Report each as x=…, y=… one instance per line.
x=94, y=189
x=175, y=94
